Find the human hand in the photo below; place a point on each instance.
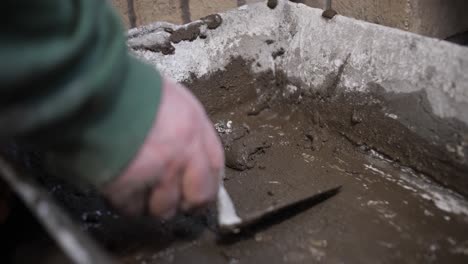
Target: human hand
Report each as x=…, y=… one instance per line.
x=178, y=167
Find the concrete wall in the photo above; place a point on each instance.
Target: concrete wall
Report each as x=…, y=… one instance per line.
x=420, y=83
x=439, y=18
x=434, y=18
x=174, y=11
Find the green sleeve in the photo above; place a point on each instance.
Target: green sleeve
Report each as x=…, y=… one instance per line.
x=69, y=86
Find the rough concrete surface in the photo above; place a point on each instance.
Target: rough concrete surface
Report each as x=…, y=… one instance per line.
x=357, y=56
x=122, y=8
x=282, y=145
x=148, y=11
x=440, y=19
x=200, y=9
x=434, y=18
x=177, y=11
x=371, y=50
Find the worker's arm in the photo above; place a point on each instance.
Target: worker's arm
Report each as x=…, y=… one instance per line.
x=68, y=84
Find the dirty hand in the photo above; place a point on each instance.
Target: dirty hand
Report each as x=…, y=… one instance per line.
x=178, y=167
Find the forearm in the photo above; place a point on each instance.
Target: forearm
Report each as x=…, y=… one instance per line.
x=68, y=84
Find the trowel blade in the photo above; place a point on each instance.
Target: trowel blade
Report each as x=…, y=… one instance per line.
x=289, y=209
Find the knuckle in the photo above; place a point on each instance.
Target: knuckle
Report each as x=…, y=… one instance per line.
x=167, y=213
x=164, y=210
x=126, y=203
x=201, y=200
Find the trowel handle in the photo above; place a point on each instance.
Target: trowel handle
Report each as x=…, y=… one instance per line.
x=227, y=214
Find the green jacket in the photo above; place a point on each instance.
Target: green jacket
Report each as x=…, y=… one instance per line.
x=68, y=84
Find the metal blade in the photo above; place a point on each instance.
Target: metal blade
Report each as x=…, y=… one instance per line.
x=288, y=210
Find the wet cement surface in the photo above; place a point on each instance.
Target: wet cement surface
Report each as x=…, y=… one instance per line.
x=279, y=150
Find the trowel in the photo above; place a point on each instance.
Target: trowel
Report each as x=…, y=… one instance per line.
x=81, y=249
x=230, y=223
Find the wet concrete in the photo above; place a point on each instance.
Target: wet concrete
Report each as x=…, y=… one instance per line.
x=162, y=39
x=283, y=144
x=385, y=213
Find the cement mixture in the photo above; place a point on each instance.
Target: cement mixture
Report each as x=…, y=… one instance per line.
x=283, y=144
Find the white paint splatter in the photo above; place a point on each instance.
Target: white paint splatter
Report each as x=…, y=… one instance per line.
x=371, y=203
x=374, y=169
x=308, y=158
x=379, y=172
x=443, y=198
x=392, y=116
x=223, y=127
x=428, y=213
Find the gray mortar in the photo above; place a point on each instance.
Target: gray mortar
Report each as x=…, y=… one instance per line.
x=422, y=82
x=160, y=36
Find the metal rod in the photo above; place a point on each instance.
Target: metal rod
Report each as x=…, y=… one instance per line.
x=80, y=248
x=328, y=4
